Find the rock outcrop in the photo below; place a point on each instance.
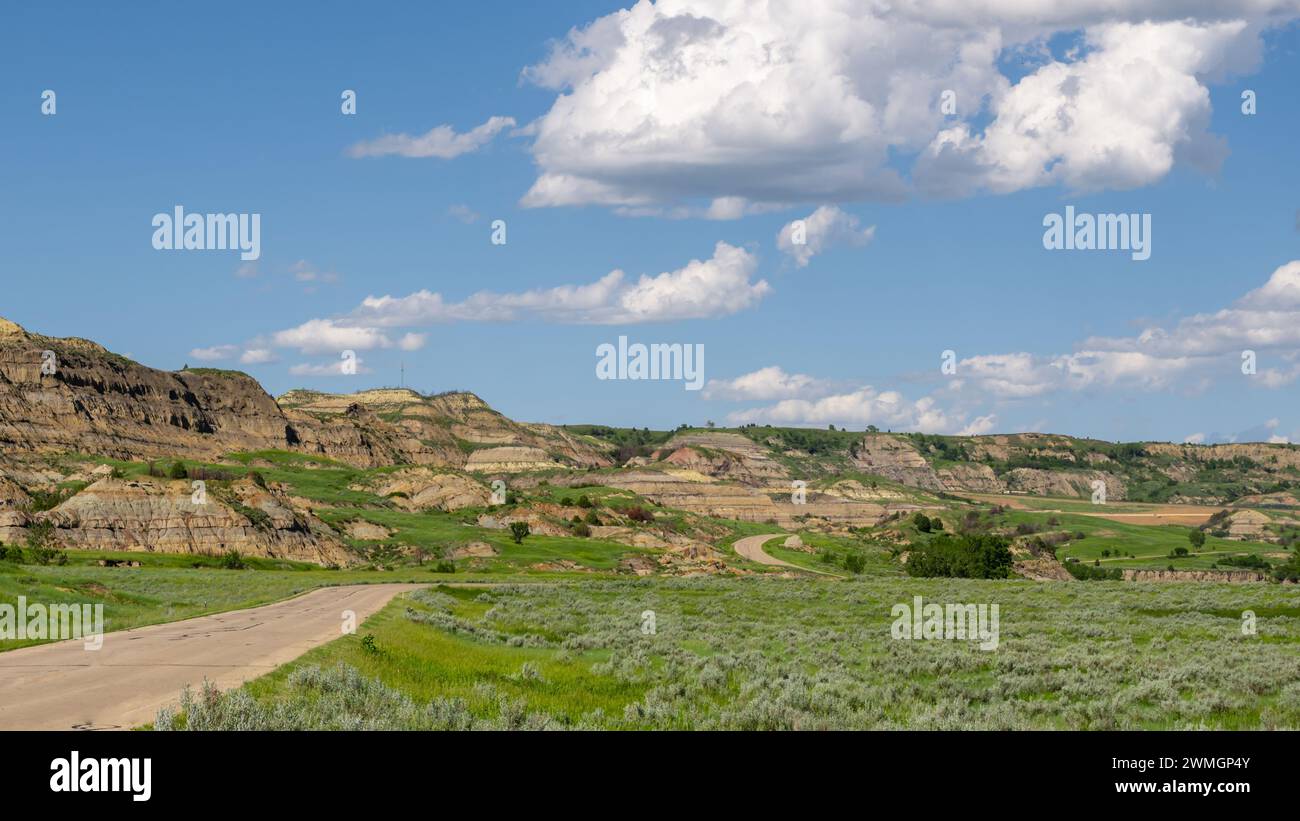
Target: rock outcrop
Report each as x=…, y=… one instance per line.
x=510, y=460
x=424, y=489
x=156, y=515
x=721, y=455
x=73, y=395
x=897, y=459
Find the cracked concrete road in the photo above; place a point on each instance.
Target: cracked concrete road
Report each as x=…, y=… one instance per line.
x=64, y=686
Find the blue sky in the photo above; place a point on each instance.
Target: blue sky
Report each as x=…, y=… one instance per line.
x=238, y=111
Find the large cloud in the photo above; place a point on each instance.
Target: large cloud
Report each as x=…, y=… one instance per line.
x=1116, y=118
x=775, y=102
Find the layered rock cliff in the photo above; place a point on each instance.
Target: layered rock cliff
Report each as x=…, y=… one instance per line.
x=73, y=395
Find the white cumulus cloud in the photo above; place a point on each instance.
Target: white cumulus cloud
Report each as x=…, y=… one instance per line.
x=331, y=336
x=827, y=226
x=670, y=104
x=721, y=285
x=767, y=384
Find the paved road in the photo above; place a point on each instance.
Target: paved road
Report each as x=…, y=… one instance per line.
x=123, y=684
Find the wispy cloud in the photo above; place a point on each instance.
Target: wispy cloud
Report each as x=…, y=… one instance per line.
x=442, y=141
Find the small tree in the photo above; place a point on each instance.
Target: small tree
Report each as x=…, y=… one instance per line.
x=178, y=471
x=42, y=546
x=519, y=530
x=922, y=522
x=1197, y=538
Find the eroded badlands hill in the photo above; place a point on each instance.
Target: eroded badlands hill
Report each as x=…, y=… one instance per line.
x=73, y=395
x=89, y=442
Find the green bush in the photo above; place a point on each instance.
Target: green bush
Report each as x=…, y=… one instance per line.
x=580, y=529
x=178, y=471
x=232, y=560
x=42, y=546
x=921, y=521
x=638, y=514
x=1092, y=573
x=855, y=563
x=969, y=556
x=1252, y=561
x=445, y=566
x=47, y=500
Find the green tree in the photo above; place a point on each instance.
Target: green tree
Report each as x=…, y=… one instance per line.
x=519, y=530
x=969, y=556
x=922, y=522
x=1197, y=538
x=42, y=545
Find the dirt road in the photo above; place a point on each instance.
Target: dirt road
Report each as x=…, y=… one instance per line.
x=751, y=547
x=124, y=683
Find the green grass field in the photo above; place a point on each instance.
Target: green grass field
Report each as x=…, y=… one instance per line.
x=786, y=654
x=1149, y=545
x=509, y=642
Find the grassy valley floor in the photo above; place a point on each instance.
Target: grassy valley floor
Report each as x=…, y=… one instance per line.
x=790, y=654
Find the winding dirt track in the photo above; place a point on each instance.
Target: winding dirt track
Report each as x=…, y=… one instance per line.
x=123, y=684
x=751, y=547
